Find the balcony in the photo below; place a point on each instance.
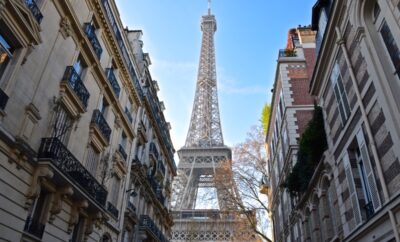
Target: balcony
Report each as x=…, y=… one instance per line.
x=72, y=78
x=122, y=152
x=153, y=151
x=162, y=125
x=34, y=227
x=101, y=124
x=91, y=34
x=3, y=99
x=128, y=115
x=147, y=224
x=113, y=210
x=287, y=53
x=52, y=149
x=113, y=81
x=31, y=4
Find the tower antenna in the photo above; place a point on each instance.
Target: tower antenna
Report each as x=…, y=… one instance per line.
x=209, y=7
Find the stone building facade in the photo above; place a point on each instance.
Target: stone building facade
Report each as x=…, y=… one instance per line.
x=291, y=109
x=354, y=192
x=85, y=151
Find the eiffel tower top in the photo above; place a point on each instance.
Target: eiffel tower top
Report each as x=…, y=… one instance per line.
x=205, y=124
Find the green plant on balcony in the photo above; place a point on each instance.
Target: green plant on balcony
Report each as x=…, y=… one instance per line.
x=312, y=145
x=290, y=53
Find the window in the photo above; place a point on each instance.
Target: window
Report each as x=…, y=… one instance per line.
x=5, y=54
x=377, y=11
x=78, y=229
x=35, y=222
x=322, y=22
x=106, y=238
x=126, y=236
x=391, y=47
x=62, y=124
x=367, y=178
x=340, y=93
x=123, y=140
x=104, y=107
x=115, y=190
x=79, y=65
x=92, y=160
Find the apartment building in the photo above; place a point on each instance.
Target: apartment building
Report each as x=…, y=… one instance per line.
x=85, y=151
x=291, y=110
x=353, y=194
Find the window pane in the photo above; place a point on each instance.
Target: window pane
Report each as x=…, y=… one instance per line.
x=5, y=54
x=62, y=125
x=92, y=160
x=340, y=104
x=391, y=46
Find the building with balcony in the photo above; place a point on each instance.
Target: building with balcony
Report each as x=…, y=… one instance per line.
x=85, y=150
x=291, y=110
x=352, y=193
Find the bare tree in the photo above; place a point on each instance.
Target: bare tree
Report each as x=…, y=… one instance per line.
x=247, y=170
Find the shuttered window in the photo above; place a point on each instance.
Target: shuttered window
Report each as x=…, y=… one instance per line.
x=92, y=160
x=352, y=189
x=391, y=46
x=115, y=190
x=367, y=175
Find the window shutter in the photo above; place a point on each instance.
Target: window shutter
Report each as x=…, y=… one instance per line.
x=368, y=170
x=352, y=189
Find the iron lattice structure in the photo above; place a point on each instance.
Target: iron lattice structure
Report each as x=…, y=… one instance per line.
x=203, y=158
x=205, y=125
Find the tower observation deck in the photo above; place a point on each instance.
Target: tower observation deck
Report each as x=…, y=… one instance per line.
x=202, y=159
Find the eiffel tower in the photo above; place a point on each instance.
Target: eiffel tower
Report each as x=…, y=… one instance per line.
x=205, y=163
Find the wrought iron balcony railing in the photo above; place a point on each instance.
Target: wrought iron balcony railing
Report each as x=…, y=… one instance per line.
x=121, y=150
x=65, y=161
x=146, y=223
x=153, y=151
x=31, y=4
x=34, y=227
x=75, y=82
x=113, y=81
x=91, y=34
x=3, y=99
x=162, y=125
x=112, y=209
x=101, y=123
x=121, y=44
x=128, y=115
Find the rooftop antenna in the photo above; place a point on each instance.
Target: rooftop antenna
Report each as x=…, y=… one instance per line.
x=209, y=7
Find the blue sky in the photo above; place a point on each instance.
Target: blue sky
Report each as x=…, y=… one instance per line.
x=249, y=35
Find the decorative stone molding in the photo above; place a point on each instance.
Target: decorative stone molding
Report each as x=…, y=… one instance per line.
x=65, y=27
x=41, y=173
x=58, y=198
x=76, y=208
x=92, y=221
